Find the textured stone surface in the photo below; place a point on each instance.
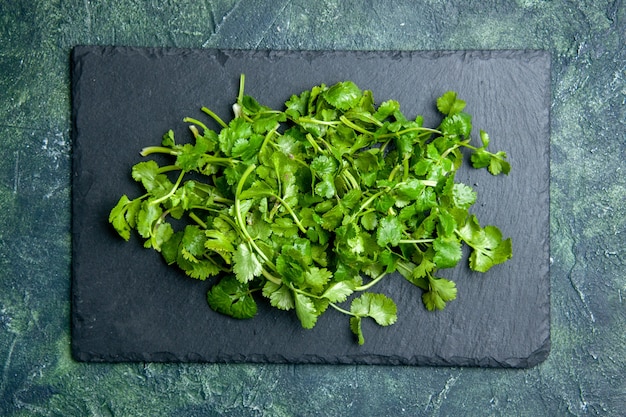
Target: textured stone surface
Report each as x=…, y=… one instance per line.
x=582, y=376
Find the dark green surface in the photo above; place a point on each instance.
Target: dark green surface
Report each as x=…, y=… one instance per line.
x=584, y=374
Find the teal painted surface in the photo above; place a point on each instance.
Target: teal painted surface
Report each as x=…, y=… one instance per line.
x=584, y=374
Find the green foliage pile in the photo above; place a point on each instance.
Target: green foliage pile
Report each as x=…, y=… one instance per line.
x=312, y=205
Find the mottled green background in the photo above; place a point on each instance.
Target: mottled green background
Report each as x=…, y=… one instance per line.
x=584, y=374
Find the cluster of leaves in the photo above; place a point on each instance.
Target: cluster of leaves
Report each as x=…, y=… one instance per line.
x=312, y=205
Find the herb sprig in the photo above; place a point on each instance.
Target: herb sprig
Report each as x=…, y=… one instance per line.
x=312, y=205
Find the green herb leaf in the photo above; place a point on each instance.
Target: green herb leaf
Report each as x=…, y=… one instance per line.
x=440, y=291
x=232, y=297
x=246, y=264
x=449, y=104
x=377, y=306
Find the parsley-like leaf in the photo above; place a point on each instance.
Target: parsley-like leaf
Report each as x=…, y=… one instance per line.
x=246, y=264
x=233, y=298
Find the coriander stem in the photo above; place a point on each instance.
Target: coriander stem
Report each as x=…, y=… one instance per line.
x=370, y=200
x=371, y=283
x=267, y=139
x=168, y=168
x=271, y=277
x=410, y=129
x=314, y=144
x=242, y=84
x=353, y=182
x=157, y=149
x=214, y=116
x=341, y=310
x=405, y=169
x=290, y=211
x=240, y=222
x=317, y=121
x=354, y=126
x=416, y=240
x=195, y=218
x=196, y=122
x=393, y=172
x=172, y=191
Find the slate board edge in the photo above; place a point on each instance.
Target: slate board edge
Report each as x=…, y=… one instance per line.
x=533, y=359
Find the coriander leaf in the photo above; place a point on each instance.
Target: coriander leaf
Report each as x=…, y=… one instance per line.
x=488, y=247
x=357, y=329
x=458, y=124
x=449, y=104
x=439, y=293
x=463, y=196
x=495, y=163
x=325, y=188
x=298, y=105
x=162, y=233
x=484, y=138
x=423, y=268
x=201, y=269
x=389, y=231
x=446, y=222
x=220, y=242
x=168, y=139
x=232, y=297
x=498, y=164
x=280, y=295
x=317, y=278
x=193, y=240
x=323, y=165
x=339, y=291
x=237, y=129
x=447, y=252
x=343, y=95
x=305, y=310
x=386, y=109
x=146, y=217
x=246, y=264
x=377, y=306
x=369, y=220
x=117, y=217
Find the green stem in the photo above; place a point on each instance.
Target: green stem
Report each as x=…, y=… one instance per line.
x=393, y=172
x=157, y=149
x=405, y=168
x=290, y=211
x=353, y=181
x=354, y=126
x=196, y=122
x=425, y=130
x=242, y=84
x=314, y=144
x=416, y=240
x=172, y=191
x=240, y=221
x=271, y=277
x=214, y=116
x=341, y=310
x=197, y=219
x=317, y=121
x=267, y=139
x=371, y=283
x=370, y=200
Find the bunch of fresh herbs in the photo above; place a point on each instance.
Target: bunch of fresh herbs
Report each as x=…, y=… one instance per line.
x=310, y=206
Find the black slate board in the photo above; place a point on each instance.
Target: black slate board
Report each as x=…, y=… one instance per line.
x=127, y=305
